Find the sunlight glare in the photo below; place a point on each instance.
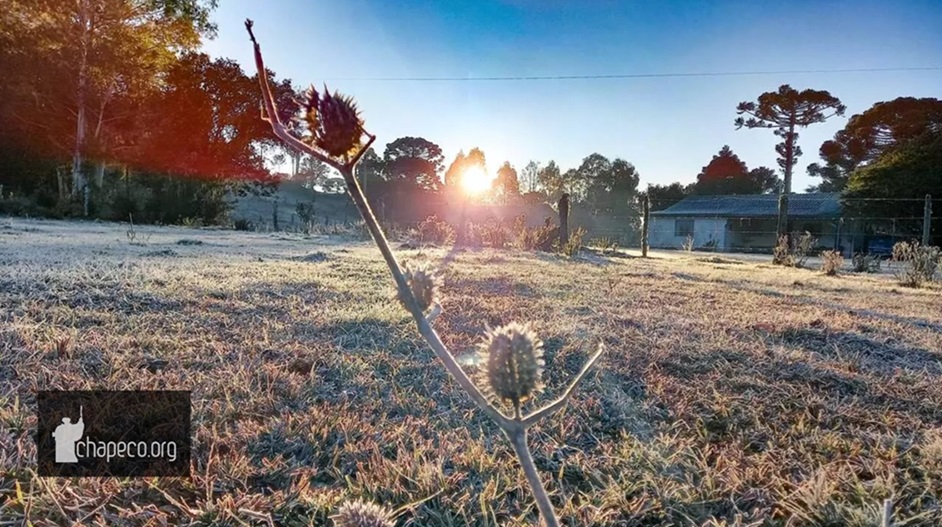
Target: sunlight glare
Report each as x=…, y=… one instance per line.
x=475, y=180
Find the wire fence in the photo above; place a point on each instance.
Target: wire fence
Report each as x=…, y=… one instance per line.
x=751, y=223
x=746, y=223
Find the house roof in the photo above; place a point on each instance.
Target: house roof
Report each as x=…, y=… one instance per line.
x=821, y=205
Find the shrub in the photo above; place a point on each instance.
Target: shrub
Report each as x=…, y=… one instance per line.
x=831, y=262
x=866, y=263
x=793, y=251
x=534, y=238
x=17, y=206
x=493, y=234
x=433, y=231
x=574, y=245
x=305, y=212
x=919, y=263
x=688, y=243
x=802, y=248
x=242, y=224
x=782, y=253
x=606, y=245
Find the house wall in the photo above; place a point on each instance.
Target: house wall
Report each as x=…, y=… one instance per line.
x=662, y=233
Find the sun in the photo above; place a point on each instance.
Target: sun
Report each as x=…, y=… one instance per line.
x=474, y=180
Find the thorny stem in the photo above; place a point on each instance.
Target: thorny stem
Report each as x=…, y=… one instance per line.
x=515, y=428
x=518, y=439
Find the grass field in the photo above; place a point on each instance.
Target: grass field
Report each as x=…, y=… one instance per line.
x=732, y=393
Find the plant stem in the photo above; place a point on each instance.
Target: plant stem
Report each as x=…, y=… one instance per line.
x=425, y=329
x=518, y=438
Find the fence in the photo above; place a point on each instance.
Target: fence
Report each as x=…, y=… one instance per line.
x=749, y=224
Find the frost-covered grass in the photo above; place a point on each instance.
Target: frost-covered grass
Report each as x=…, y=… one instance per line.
x=731, y=393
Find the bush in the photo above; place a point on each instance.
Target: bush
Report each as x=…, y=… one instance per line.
x=574, y=245
x=305, y=212
x=493, y=234
x=242, y=224
x=919, y=263
x=782, y=253
x=866, y=263
x=606, y=245
x=688, y=243
x=17, y=206
x=433, y=231
x=793, y=251
x=831, y=262
x=533, y=238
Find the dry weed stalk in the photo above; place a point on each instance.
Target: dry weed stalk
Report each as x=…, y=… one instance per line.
x=337, y=141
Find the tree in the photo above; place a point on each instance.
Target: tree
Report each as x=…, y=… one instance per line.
x=454, y=173
x=610, y=186
x=894, y=185
x=530, y=177
x=785, y=111
x=724, y=174
x=83, y=60
x=313, y=173
x=551, y=182
x=727, y=174
x=869, y=134
x=371, y=172
x=663, y=196
x=203, y=123
x=506, y=185
x=414, y=163
x=764, y=180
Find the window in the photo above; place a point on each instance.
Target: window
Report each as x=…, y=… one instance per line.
x=683, y=228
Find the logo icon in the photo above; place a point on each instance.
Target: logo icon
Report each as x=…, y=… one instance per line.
x=66, y=435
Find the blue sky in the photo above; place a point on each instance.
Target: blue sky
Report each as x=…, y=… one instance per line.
x=667, y=127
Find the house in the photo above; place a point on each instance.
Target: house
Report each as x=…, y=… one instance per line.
x=747, y=223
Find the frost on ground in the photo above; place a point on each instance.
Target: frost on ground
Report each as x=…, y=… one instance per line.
x=731, y=393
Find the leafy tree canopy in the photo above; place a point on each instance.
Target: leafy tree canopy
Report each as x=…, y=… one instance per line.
x=784, y=111
x=869, y=134
x=414, y=162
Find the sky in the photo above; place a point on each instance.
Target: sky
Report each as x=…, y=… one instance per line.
x=668, y=127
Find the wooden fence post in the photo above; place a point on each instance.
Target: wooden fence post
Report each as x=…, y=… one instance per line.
x=564, y=220
x=782, y=227
x=645, y=225
x=927, y=220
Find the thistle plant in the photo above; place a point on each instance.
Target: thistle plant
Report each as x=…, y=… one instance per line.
x=513, y=353
x=362, y=514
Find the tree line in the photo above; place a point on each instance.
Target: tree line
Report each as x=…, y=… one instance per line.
x=110, y=110
x=883, y=161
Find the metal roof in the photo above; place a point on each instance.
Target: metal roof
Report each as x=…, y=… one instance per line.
x=820, y=205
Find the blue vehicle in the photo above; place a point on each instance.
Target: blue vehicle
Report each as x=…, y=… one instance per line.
x=882, y=245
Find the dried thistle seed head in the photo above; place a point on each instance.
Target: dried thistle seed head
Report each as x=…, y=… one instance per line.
x=333, y=120
x=310, y=101
x=423, y=281
x=513, y=358
x=339, y=126
x=362, y=514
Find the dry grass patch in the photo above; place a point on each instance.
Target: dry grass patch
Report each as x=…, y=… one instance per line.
x=729, y=395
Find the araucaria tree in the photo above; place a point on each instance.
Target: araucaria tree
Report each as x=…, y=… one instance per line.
x=511, y=356
x=785, y=111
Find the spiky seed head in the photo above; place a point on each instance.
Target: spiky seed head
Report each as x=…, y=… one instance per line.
x=340, y=128
x=362, y=514
x=310, y=101
x=333, y=120
x=423, y=281
x=513, y=359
